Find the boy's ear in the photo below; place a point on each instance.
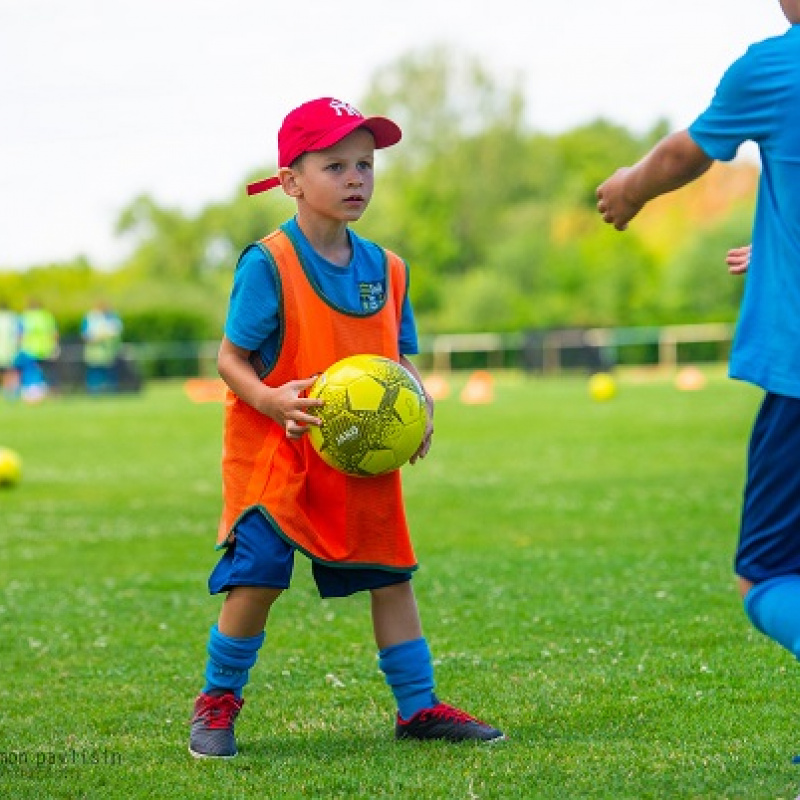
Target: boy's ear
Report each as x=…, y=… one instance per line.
x=288, y=178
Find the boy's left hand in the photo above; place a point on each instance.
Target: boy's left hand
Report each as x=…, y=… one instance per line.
x=426, y=439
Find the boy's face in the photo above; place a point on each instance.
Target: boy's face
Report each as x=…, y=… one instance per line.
x=335, y=183
x=791, y=9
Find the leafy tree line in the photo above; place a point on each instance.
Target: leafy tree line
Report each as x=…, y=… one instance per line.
x=497, y=221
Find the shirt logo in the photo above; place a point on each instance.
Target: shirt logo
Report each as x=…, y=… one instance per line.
x=340, y=107
x=372, y=295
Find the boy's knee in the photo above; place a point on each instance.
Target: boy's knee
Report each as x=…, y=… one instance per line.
x=253, y=598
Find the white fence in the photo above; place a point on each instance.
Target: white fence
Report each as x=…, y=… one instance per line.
x=559, y=350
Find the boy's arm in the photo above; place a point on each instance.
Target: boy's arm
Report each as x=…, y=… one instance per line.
x=284, y=404
x=675, y=161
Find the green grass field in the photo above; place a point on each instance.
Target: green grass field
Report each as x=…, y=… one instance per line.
x=575, y=588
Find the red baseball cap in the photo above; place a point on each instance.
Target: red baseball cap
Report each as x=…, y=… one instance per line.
x=319, y=124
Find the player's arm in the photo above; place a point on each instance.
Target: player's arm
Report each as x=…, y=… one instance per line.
x=675, y=161
x=426, y=439
x=284, y=404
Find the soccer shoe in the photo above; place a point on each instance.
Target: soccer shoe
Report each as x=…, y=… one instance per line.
x=445, y=722
x=212, y=726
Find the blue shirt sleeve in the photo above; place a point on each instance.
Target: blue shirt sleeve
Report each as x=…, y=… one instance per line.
x=744, y=107
x=407, y=339
x=254, y=304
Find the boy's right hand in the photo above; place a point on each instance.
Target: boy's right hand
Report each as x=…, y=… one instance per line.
x=289, y=407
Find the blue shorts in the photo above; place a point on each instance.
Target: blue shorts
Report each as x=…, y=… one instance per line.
x=769, y=536
x=259, y=557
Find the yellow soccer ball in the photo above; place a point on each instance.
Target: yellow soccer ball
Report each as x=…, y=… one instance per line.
x=374, y=417
x=602, y=387
x=10, y=468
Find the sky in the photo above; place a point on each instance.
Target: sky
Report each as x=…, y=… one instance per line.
x=103, y=100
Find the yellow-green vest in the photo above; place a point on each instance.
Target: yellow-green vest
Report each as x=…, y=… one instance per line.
x=39, y=334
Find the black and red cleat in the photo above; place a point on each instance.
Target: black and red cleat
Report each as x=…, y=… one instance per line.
x=212, y=726
x=445, y=722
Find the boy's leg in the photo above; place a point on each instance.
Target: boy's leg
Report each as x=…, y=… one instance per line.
x=773, y=606
x=407, y=664
x=768, y=552
x=395, y=616
x=245, y=610
x=252, y=573
x=258, y=557
x=233, y=647
x=404, y=655
x=237, y=637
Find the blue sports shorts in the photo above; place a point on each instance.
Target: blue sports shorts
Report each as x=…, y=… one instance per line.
x=769, y=535
x=259, y=557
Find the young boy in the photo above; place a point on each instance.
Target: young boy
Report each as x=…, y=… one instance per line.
x=308, y=294
x=758, y=99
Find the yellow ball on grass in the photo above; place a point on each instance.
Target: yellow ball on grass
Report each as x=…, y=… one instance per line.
x=602, y=387
x=10, y=468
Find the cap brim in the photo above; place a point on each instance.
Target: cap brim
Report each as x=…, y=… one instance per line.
x=385, y=131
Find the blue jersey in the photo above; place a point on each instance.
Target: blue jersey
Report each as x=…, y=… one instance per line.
x=758, y=99
x=253, y=320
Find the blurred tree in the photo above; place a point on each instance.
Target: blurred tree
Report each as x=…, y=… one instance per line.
x=497, y=221
x=440, y=96
x=169, y=243
x=587, y=155
x=163, y=240
x=697, y=283
x=461, y=162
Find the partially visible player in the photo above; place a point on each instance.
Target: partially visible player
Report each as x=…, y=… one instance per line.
x=758, y=99
x=308, y=294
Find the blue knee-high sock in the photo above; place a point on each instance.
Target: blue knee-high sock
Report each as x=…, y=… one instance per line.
x=409, y=672
x=773, y=606
x=229, y=660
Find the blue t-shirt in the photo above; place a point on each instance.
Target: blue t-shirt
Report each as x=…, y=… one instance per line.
x=253, y=320
x=758, y=99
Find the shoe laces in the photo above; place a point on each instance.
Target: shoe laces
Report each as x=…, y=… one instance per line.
x=219, y=712
x=446, y=712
